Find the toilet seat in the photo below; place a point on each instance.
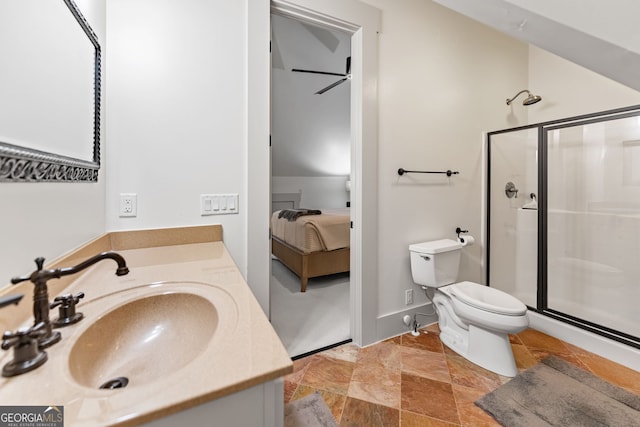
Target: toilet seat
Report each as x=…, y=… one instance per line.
x=487, y=299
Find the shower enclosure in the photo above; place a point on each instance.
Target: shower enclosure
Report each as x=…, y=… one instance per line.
x=563, y=220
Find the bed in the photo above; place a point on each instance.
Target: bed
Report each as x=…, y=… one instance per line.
x=312, y=245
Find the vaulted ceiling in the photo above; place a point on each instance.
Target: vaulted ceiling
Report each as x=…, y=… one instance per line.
x=601, y=36
x=310, y=132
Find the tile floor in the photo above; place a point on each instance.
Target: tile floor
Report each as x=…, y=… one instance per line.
x=415, y=381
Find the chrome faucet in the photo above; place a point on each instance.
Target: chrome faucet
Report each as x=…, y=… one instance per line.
x=41, y=293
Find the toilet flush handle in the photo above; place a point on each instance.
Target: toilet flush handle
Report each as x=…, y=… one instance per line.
x=426, y=257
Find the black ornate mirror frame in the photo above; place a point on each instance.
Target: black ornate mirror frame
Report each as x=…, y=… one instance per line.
x=21, y=164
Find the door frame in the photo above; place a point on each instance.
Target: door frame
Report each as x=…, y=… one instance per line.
x=363, y=22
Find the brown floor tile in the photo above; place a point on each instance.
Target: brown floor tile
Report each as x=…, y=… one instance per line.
x=358, y=413
x=335, y=402
x=417, y=381
x=470, y=414
x=346, y=352
x=524, y=358
x=537, y=340
x=289, y=390
x=394, y=340
x=376, y=384
x=427, y=340
x=328, y=374
x=610, y=371
x=468, y=374
x=434, y=327
x=424, y=363
x=299, y=369
x=409, y=419
x=514, y=339
x=569, y=356
x=385, y=355
x=428, y=397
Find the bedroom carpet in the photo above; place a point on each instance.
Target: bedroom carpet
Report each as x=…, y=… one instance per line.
x=557, y=393
x=311, y=320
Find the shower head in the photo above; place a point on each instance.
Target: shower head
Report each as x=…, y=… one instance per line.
x=529, y=100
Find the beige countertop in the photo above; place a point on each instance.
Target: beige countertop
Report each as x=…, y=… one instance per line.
x=222, y=351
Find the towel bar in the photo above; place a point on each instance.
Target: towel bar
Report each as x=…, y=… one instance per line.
x=402, y=171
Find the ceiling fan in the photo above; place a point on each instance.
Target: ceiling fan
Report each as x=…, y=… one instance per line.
x=346, y=76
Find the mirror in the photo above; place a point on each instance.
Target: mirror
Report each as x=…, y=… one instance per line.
x=49, y=93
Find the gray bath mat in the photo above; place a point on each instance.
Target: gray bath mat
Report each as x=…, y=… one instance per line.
x=557, y=393
x=310, y=411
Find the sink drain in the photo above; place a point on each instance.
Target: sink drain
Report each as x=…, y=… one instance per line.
x=119, y=382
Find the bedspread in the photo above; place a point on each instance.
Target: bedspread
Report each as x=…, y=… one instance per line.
x=312, y=233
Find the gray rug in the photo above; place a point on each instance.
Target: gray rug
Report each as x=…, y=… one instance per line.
x=310, y=411
x=557, y=393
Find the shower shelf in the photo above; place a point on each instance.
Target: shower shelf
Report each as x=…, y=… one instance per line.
x=449, y=172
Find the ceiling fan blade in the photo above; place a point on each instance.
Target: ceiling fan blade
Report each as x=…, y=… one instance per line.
x=348, y=65
x=297, y=70
x=331, y=86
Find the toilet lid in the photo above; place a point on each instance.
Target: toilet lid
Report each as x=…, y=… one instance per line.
x=488, y=299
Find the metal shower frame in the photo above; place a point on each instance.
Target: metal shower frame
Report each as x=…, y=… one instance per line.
x=542, y=292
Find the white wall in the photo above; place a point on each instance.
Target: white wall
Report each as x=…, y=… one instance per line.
x=613, y=21
x=316, y=192
x=49, y=219
x=177, y=113
x=570, y=90
x=443, y=82
x=598, y=35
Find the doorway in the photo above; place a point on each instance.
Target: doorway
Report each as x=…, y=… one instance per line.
x=310, y=168
x=364, y=22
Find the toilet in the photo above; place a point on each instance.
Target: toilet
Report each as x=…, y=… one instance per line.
x=475, y=320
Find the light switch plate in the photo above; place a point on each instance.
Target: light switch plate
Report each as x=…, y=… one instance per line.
x=218, y=204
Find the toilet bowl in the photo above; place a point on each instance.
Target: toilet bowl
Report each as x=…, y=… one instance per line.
x=475, y=320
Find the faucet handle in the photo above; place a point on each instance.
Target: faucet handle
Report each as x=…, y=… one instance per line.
x=26, y=354
x=39, y=263
x=67, y=312
x=66, y=300
x=22, y=336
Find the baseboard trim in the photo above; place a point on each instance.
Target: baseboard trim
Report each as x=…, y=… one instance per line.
x=391, y=325
x=610, y=349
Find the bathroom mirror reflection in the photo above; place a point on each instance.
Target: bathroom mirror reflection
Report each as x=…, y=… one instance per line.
x=49, y=93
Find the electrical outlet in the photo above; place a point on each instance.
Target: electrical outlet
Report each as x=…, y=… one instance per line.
x=128, y=204
x=408, y=296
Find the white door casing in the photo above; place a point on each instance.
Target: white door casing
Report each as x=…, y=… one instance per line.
x=363, y=22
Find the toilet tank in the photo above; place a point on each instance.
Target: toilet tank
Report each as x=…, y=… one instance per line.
x=435, y=263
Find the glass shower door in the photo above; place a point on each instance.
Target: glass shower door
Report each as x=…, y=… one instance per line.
x=593, y=223
x=512, y=213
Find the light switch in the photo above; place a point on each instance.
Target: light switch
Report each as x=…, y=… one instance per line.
x=218, y=204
